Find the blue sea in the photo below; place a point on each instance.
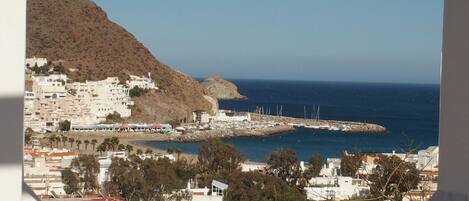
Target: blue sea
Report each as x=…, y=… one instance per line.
x=408, y=111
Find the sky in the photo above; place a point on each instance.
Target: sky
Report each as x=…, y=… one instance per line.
x=395, y=41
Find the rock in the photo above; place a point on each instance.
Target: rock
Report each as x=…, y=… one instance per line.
x=79, y=35
x=221, y=89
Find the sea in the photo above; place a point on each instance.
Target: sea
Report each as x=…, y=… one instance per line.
x=410, y=113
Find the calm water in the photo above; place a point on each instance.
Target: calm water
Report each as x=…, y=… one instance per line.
x=409, y=112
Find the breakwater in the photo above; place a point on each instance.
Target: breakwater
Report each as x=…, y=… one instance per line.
x=333, y=125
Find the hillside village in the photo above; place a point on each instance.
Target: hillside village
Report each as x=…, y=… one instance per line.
x=56, y=103
x=54, y=98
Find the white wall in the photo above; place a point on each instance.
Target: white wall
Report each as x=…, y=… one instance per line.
x=12, y=55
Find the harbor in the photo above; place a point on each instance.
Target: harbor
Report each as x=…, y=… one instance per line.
x=320, y=124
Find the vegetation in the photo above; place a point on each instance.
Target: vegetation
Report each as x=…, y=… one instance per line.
x=64, y=125
x=87, y=142
x=315, y=167
x=137, y=91
x=218, y=158
x=283, y=180
x=285, y=165
x=86, y=168
x=350, y=164
x=146, y=179
x=255, y=186
x=93, y=143
x=71, y=181
x=28, y=133
x=392, y=178
x=71, y=141
x=114, y=117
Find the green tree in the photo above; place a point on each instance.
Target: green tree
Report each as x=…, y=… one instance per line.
x=255, y=186
x=28, y=133
x=101, y=148
x=217, y=157
x=392, y=177
x=315, y=166
x=144, y=180
x=148, y=151
x=87, y=142
x=129, y=148
x=137, y=91
x=64, y=140
x=114, y=143
x=87, y=168
x=52, y=139
x=114, y=117
x=78, y=142
x=64, y=125
x=350, y=164
x=284, y=164
x=121, y=147
x=71, y=181
x=71, y=141
x=93, y=143
x=139, y=152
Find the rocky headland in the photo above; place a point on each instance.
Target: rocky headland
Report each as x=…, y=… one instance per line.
x=221, y=89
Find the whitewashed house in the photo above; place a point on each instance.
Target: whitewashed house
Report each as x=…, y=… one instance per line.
x=231, y=116
x=336, y=188
x=428, y=159
x=331, y=167
x=141, y=82
x=39, y=62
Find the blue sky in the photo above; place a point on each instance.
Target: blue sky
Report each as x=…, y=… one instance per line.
x=324, y=40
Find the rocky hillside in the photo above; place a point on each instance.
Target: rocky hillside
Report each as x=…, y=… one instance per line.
x=221, y=89
x=78, y=34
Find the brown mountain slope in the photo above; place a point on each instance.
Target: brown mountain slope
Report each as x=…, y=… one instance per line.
x=79, y=35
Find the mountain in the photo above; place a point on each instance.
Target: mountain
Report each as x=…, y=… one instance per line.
x=78, y=35
x=221, y=89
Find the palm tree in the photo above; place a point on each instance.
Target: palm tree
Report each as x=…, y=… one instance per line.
x=129, y=148
x=93, y=143
x=64, y=139
x=71, y=141
x=51, y=140
x=57, y=141
x=78, y=142
x=100, y=149
x=87, y=142
x=114, y=142
x=178, y=153
x=139, y=152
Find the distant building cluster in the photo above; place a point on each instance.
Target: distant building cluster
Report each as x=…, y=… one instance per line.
x=330, y=185
x=54, y=98
x=33, y=62
x=203, y=117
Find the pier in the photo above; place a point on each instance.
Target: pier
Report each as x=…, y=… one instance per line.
x=332, y=125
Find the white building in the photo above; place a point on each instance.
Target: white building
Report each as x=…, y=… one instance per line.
x=428, y=159
x=231, y=116
x=53, y=99
x=331, y=167
x=336, y=188
x=104, y=164
x=141, y=82
x=42, y=170
x=31, y=62
x=104, y=97
x=252, y=166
